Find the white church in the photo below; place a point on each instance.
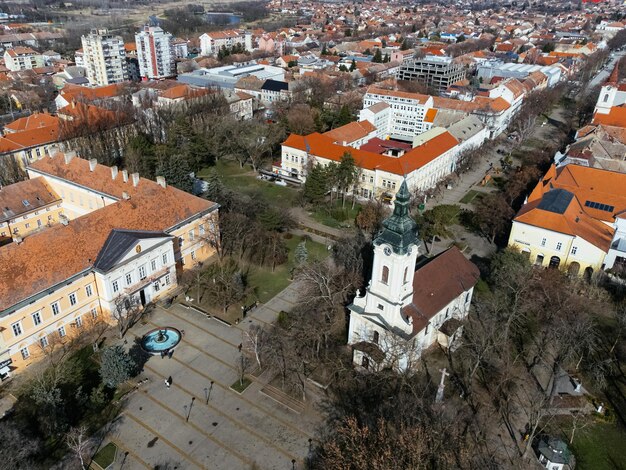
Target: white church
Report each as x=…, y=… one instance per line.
x=408, y=305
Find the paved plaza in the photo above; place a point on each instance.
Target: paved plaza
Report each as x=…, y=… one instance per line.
x=262, y=427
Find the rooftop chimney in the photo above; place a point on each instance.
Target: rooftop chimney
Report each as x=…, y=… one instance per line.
x=125, y=196
x=161, y=181
x=135, y=177
x=68, y=156
x=125, y=175
x=92, y=164
x=113, y=172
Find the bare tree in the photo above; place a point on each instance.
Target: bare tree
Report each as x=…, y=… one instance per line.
x=126, y=311
x=78, y=441
x=256, y=342
x=243, y=365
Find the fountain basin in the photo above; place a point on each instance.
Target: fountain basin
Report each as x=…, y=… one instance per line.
x=160, y=340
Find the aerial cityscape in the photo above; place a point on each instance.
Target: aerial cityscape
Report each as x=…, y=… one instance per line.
x=278, y=234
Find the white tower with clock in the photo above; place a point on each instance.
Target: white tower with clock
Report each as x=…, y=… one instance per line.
x=379, y=311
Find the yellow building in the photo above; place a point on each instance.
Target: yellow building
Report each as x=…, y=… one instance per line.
x=123, y=241
x=27, y=207
x=572, y=220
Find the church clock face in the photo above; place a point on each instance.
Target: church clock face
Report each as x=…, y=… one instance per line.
x=387, y=251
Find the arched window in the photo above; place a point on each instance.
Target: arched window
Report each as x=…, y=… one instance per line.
x=375, y=337
x=385, y=275
x=606, y=98
x=406, y=273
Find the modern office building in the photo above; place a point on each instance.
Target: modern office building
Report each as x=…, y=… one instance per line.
x=433, y=71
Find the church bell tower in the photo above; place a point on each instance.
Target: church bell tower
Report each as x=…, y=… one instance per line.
x=395, y=254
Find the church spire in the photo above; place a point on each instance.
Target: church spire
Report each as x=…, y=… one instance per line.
x=399, y=229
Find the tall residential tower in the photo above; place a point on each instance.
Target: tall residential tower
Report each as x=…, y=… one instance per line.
x=104, y=58
x=155, y=53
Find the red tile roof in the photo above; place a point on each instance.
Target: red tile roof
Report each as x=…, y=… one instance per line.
x=322, y=146
x=616, y=117
x=437, y=283
x=57, y=253
x=34, y=121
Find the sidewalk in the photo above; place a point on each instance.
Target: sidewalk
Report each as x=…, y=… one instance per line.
x=303, y=218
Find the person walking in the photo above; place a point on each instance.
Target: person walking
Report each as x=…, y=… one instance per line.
x=168, y=381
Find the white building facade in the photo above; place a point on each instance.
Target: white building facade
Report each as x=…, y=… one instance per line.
x=155, y=53
x=404, y=311
x=104, y=57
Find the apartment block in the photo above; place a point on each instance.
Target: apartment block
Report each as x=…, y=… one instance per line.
x=155, y=53
x=22, y=58
x=104, y=57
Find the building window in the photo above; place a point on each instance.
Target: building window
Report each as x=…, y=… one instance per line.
x=406, y=273
x=153, y=265
x=193, y=255
x=94, y=312
x=142, y=272
x=36, y=318
x=116, y=286
x=375, y=337
x=73, y=298
x=89, y=290
x=39, y=223
x=164, y=258
x=167, y=280
x=62, y=332
x=129, y=279
x=17, y=328
x=201, y=229
x=467, y=297
x=25, y=353
x=27, y=225
x=55, y=308
x=79, y=322
x=539, y=260
x=606, y=98
x=543, y=242
x=192, y=235
x=447, y=312
x=384, y=278
x=43, y=342
x=157, y=287
x=558, y=246
x=574, y=250
x=380, y=307
x=365, y=362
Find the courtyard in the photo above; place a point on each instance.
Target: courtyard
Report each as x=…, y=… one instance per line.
x=200, y=421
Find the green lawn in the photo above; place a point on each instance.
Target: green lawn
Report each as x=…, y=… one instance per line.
x=240, y=387
x=337, y=216
x=106, y=455
x=244, y=180
x=600, y=446
x=267, y=284
x=469, y=197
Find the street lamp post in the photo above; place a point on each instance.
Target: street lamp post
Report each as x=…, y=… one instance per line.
x=190, y=406
x=208, y=396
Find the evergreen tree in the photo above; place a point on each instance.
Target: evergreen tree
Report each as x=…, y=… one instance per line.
x=301, y=254
x=115, y=366
x=176, y=171
x=345, y=116
x=460, y=38
x=378, y=57
x=353, y=66
x=316, y=185
x=405, y=44
x=346, y=175
x=324, y=50
x=348, y=32
x=386, y=58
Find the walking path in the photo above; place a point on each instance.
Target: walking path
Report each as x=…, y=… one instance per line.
x=200, y=422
